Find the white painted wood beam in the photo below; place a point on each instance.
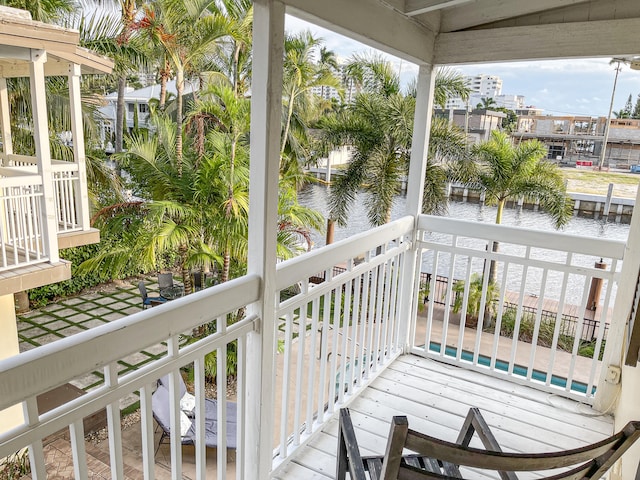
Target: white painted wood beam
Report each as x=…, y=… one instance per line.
x=43, y=151
x=77, y=134
x=489, y=11
x=417, y=7
x=266, y=112
x=415, y=188
x=371, y=23
x=567, y=40
x=5, y=120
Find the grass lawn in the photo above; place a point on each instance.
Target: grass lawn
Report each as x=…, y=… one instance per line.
x=597, y=183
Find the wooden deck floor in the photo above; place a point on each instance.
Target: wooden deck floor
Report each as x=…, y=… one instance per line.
x=436, y=397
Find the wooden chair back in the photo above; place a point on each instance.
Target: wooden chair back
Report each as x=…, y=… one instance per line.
x=438, y=459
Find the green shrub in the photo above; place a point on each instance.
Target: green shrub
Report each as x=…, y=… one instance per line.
x=15, y=466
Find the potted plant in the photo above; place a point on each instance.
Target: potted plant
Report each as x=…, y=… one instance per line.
x=475, y=299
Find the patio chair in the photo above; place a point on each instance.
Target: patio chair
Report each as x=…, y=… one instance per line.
x=198, y=281
x=161, y=409
x=148, y=301
x=437, y=459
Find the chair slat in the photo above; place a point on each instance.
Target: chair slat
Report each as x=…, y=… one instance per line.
x=441, y=460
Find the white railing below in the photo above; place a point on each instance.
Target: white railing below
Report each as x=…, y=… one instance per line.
x=66, y=185
x=29, y=374
x=339, y=328
x=21, y=217
x=539, y=295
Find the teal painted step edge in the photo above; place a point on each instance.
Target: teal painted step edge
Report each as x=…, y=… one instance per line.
x=519, y=370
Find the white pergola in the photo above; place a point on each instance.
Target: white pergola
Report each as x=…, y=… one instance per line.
x=428, y=33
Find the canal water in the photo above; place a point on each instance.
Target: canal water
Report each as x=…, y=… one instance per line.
x=315, y=196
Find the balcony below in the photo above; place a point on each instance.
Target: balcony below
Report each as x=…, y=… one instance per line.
x=31, y=276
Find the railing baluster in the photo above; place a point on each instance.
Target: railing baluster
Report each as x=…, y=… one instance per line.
x=355, y=342
x=498, y=325
x=113, y=423
x=221, y=382
x=335, y=348
x=311, y=379
x=240, y=407
x=302, y=331
x=36, y=452
x=200, y=417
x=146, y=428
x=76, y=432
x=286, y=384
x=463, y=312
x=538, y=323
x=346, y=331
x=577, y=338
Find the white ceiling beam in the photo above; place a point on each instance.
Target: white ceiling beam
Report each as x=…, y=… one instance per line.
x=562, y=40
x=371, y=23
x=418, y=7
x=489, y=11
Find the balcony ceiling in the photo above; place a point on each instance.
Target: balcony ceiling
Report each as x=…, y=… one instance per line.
x=20, y=35
x=476, y=31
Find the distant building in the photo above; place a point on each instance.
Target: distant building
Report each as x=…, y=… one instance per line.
x=349, y=86
x=477, y=123
x=486, y=87
x=572, y=139
x=134, y=99
x=511, y=102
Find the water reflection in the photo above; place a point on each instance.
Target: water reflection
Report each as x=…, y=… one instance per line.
x=315, y=196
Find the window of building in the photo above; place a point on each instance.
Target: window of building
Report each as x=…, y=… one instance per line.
x=144, y=108
x=130, y=107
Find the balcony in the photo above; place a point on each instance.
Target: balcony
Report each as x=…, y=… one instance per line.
x=348, y=332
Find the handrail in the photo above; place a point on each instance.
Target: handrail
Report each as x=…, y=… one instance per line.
x=291, y=271
x=41, y=369
x=534, y=238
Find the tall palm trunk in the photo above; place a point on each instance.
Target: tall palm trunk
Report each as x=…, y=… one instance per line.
x=164, y=78
x=493, y=270
x=287, y=124
x=331, y=227
x=179, y=90
x=120, y=121
x=186, y=275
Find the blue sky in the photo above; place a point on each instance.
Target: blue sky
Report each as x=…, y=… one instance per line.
x=559, y=87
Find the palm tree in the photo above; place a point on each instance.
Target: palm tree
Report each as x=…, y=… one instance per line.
x=379, y=126
x=300, y=75
x=113, y=37
x=49, y=11
x=507, y=171
x=187, y=31
x=486, y=102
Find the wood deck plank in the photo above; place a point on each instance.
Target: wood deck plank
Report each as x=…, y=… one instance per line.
x=435, y=397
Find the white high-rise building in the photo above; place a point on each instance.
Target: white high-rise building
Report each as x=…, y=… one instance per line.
x=485, y=85
x=349, y=87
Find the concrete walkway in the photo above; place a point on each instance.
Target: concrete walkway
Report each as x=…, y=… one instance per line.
x=72, y=315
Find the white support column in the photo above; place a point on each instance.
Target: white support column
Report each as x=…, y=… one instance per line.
x=5, y=123
x=415, y=187
x=607, y=393
x=266, y=112
x=43, y=152
x=77, y=132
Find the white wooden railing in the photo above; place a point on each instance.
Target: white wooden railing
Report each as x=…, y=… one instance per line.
x=542, y=283
x=66, y=185
x=339, y=327
x=21, y=220
x=29, y=374
x=66, y=191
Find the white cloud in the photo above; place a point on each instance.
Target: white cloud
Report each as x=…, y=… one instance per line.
x=576, y=86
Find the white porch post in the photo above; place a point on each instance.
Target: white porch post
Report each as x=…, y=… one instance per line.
x=415, y=187
x=5, y=125
x=77, y=133
x=266, y=111
x=607, y=393
x=43, y=152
